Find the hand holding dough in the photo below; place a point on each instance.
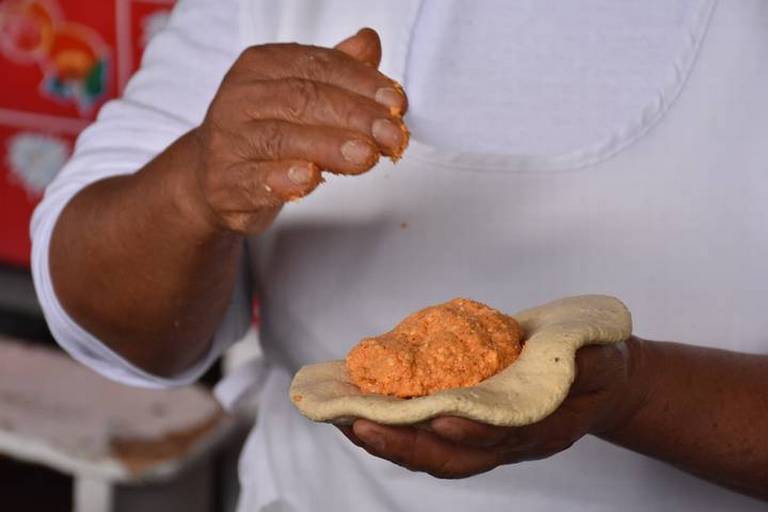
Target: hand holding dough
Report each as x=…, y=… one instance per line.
x=525, y=392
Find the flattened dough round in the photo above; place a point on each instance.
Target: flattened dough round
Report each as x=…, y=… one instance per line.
x=525, y=392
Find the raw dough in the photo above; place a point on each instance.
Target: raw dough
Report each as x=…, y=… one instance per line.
x=524, y=393
x=456, y=344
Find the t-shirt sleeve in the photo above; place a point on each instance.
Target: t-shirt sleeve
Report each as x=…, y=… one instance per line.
x=179, y=75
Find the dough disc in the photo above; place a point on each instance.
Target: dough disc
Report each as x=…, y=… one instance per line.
x=525, y=392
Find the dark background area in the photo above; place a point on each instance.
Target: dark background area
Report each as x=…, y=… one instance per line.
x=22, y=483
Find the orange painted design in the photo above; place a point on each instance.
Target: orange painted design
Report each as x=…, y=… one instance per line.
x=71, y=56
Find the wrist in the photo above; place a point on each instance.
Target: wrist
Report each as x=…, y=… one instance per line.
x=631, y=392
x=175, y=173
x=188, y=194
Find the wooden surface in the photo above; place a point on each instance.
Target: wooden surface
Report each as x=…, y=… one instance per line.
x=56, y=412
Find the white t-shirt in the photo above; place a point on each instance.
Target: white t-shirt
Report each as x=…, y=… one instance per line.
x=559, y=148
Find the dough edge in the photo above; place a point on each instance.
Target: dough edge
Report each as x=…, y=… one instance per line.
x=524, y=393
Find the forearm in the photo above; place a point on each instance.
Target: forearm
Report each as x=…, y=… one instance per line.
x=148, y=262
x=702, y=410
x=139, y=265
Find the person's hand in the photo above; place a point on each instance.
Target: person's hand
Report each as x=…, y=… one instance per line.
x=284, y=113
x=452, y=447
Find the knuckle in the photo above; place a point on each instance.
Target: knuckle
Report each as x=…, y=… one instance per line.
x=249, y=57
x=291, y=47
x=257, y=53
x=247, y=191
x=270, y=140
x=263, y=56
x=226, y=107
x=302, y=94
x=252, y=187
x=352, y=117
x=313, y=62
x=251, y=51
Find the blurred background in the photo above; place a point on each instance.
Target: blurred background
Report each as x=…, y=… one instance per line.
x=70, y=440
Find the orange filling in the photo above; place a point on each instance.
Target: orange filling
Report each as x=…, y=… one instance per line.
x=456, y=344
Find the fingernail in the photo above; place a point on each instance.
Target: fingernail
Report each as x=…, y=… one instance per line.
x=392, y=98
x=387, y=133
x=357, y=151
x=299, y=174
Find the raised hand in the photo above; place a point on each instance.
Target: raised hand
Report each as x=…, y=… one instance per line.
x=284, y=113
